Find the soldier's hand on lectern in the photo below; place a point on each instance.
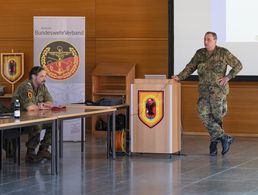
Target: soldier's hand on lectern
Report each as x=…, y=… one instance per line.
x=175, y=77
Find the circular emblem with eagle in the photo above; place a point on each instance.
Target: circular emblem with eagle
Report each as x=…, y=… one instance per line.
x=60, y=60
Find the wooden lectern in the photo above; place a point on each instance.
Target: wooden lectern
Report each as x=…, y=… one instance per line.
x=155, y=116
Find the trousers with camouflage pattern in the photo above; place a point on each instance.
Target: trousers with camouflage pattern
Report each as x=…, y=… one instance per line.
x=34, y=136
x=212, y=107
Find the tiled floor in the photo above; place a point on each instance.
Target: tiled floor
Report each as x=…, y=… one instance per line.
x=193, y=172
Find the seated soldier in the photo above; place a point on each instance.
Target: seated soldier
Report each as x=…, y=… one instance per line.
x=33, y=96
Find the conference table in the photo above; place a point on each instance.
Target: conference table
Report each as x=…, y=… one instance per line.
x=56, y=118
x=81, y=111
x=124, y=106
x=30, y=119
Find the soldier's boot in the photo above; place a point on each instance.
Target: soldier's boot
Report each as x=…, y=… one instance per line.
x=44, y=153
x=31, y=157
x=213, y=148
x=226, y=141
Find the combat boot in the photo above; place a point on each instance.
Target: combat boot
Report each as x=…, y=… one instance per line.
x=213, y=148
x=31, y=157
x=44, y=153
x=226, y=141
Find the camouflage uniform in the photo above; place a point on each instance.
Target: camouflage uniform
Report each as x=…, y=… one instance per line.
x=29, y=96
x=212, y=102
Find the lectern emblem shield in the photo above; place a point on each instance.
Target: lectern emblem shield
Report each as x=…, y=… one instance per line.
x=12, y=68
x=150, y=107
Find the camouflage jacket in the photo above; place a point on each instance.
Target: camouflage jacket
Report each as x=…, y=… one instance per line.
x=28, y=95
x=212, y=67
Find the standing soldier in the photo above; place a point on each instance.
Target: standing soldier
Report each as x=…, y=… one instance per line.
x=33, y=96
x=211, y=64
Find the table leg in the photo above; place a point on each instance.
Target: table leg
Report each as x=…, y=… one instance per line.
x=127, y=124
x=19, y=146
x=57, y=148
x=114, y=134
x=82, y=134
x=127, y=118
x=108, y=135
x=1, y=149
x=53, y=149
x=61, y=137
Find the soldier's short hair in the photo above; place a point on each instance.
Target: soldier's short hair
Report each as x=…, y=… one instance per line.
x=212, y=33
x=35, y=70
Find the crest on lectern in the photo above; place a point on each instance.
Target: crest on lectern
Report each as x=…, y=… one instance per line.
x=150, y=107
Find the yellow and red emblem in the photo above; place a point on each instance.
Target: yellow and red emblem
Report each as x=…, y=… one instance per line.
x=60, y=60
x=29, y=94
x=12, y=68
x=150, y=107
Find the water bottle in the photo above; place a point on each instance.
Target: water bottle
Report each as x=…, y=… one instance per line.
x=17, y=109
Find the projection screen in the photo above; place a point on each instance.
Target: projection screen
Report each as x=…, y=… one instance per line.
x=234, y=21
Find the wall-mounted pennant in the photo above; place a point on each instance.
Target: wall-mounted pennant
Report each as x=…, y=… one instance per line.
x=12, y=66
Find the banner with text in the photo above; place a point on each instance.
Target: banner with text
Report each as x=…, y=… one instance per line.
x=59, y=47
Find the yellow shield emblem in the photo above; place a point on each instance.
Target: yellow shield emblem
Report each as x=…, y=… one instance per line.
x=12, y=68
x=150, y=107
